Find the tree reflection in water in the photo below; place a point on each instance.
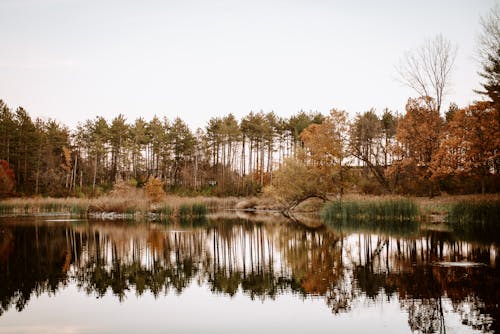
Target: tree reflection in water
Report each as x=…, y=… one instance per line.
x=256, y=259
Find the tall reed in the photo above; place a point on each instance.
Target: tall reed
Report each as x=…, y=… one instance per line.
x=476, y=220
x=398, y=210
x=387, y=216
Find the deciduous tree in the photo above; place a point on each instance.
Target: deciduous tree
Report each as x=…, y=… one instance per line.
x=469, y=145
x=7, y=180
x=427, y=69
x=417, y=139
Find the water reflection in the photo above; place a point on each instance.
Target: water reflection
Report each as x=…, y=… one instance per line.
x=260, y=260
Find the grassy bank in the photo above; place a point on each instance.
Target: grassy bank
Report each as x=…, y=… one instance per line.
x=136, y=203
x=129, y=205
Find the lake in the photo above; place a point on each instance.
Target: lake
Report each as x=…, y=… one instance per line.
x=238, y=275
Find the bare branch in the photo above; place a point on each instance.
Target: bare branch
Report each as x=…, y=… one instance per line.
x=489, y=38
x=427, y=69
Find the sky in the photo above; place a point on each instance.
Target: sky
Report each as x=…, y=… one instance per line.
x=73, y=60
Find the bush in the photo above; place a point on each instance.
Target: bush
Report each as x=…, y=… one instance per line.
x=154, y=189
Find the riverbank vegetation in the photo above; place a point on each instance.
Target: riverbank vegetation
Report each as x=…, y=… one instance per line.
x=475, y=219
x=322, y=153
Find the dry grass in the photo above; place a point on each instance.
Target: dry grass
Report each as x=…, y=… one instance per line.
x=441, y=205
x=134, y=200
x=129, y=200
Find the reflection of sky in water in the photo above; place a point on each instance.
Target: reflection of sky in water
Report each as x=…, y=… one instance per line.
x=197, y=310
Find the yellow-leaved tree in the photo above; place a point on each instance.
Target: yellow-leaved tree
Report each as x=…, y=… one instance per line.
x=154, y=189
x=317, y=169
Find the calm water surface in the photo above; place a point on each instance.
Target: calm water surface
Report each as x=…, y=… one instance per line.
x=239, y=276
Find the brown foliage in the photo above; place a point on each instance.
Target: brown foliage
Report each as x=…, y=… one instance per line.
x=417, y=140
x=470, y=144
x=154, y=189
x=7, y=181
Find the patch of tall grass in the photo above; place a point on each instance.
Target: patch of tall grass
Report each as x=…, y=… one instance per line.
x=192, y=214
x=193, y=210
x=398, y=210
x=476, y=220
x=386, y=216
x=198, y=210
x=6, y=208
x=39, y=205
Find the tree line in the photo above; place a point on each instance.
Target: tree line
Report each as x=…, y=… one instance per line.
x=227, y=157
x=418, y=152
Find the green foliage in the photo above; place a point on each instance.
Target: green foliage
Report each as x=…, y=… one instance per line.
x=166, y=210
x=476, y=220
x=185, y=210
x=6, y=208
x=79, y=210
x=192, y=215
x=389, y=210
x=199, y=210
x=227, y=158
x=193, y=210
x=294, y=183
x=394, y=217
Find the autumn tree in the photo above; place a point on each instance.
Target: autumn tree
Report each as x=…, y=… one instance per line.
x=317, y=169
x=154, y=189
x=325, y=149
x=469, y=144
x=7, y=180
x=299, y=122
x=417, y=139
x=293, y=183
x=427, y=69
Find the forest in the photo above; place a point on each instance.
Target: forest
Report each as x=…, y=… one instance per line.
x=422, y=151
x=419, y=153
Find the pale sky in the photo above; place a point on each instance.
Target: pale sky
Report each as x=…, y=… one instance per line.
x=73, y=60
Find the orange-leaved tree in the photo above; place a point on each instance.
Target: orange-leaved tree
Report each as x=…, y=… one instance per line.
x=417, y=139
x=318, y=168
x=7, y=180
x=470, y=144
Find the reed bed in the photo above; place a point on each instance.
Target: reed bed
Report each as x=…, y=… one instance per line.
x=394, y=216
x=394, y=210
x=476, y=220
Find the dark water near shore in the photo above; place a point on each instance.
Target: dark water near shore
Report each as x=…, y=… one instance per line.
x=238, y=276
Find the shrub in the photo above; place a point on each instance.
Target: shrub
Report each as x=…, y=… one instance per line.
x=154, y=189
